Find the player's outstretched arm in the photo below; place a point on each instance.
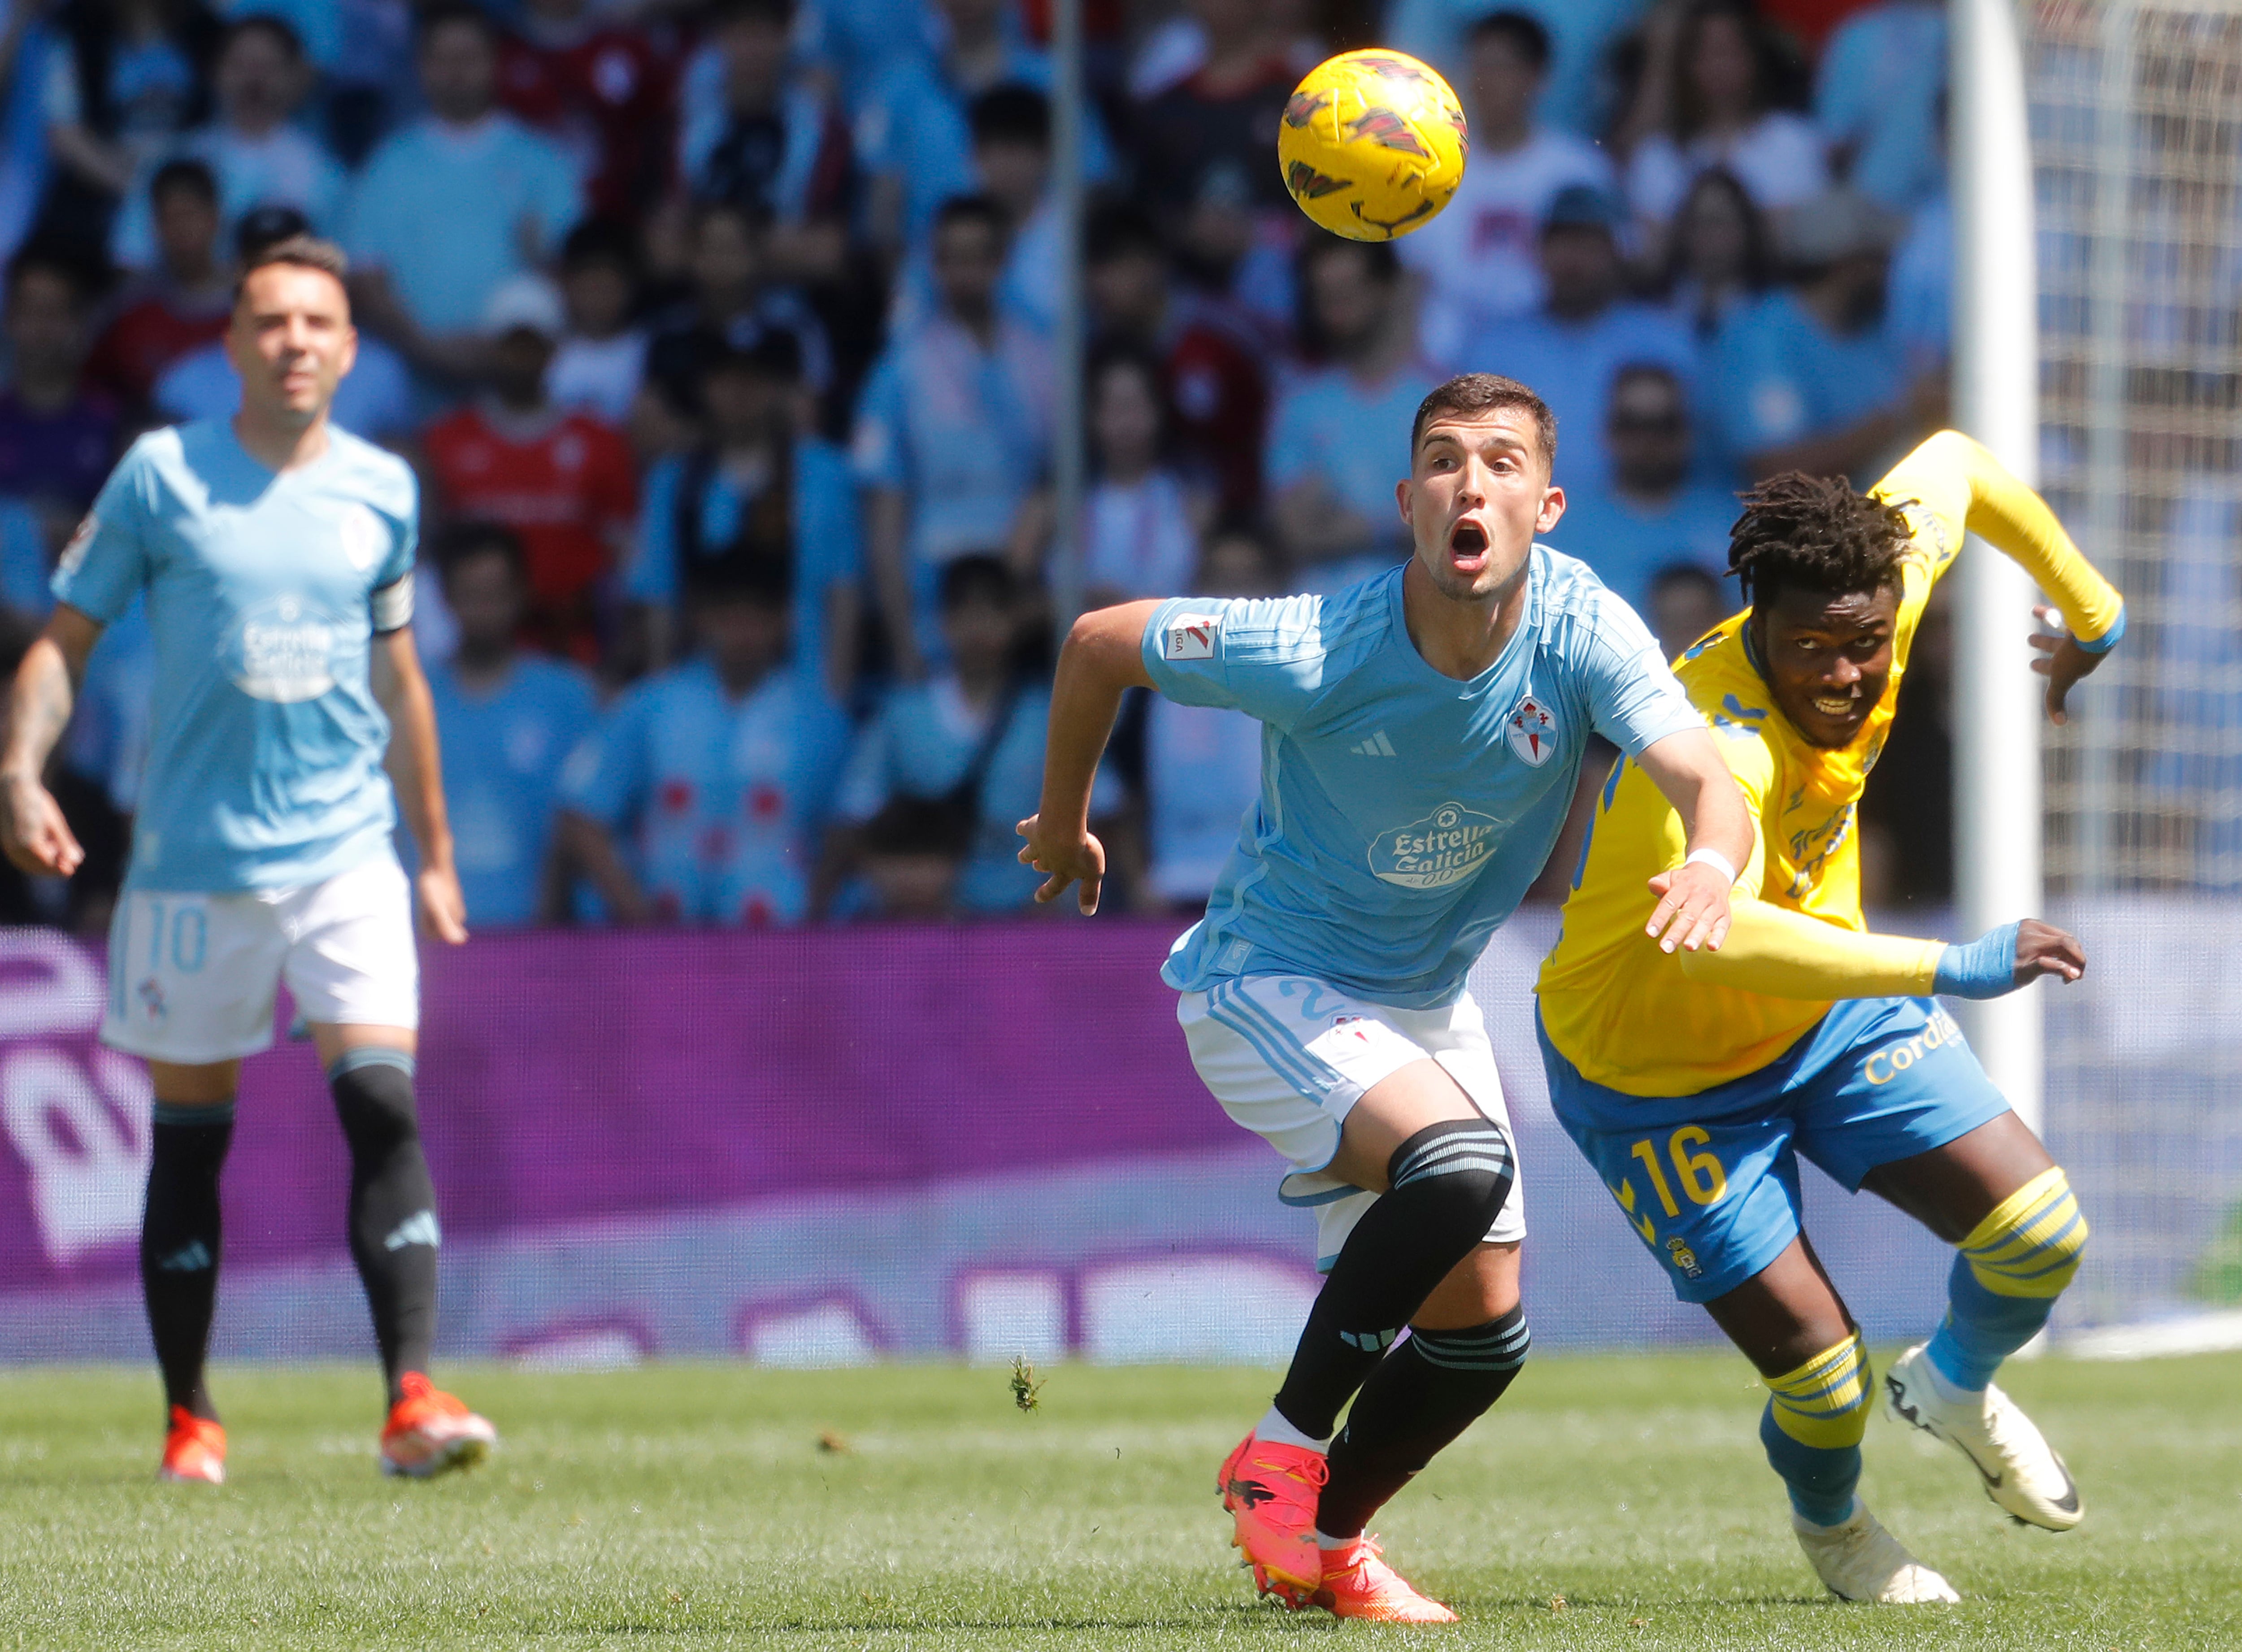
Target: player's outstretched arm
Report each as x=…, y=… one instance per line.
x=1103, y=656
x=1781, y=954
x=35, y=836
x=416, y=769
x=1961, y=482
x=1693, y=898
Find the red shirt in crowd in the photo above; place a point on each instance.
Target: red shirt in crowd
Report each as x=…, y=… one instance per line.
x=606, y=98
x=1218, y=388
x=566, y=483
x=152, y=329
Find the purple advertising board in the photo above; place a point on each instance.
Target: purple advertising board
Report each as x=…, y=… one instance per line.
x=801, y=1148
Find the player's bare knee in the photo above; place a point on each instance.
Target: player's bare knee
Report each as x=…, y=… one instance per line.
x=1483, y=1287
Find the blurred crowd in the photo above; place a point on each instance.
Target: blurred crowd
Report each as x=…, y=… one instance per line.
x=719, y=333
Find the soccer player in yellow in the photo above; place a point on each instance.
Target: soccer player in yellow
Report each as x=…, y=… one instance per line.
x=1693, y=1082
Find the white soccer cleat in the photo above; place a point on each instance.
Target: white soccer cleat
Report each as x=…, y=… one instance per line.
x=2022, y=1471
x=1859, y=1561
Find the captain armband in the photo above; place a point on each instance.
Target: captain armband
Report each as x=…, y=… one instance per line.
x=391, y=605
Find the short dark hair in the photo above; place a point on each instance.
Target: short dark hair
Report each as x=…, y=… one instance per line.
x=65, y=265
x=1383, y=262
x=445, y=13
x=980, y=577
x=185, y=173
x=762, y=577
x=1524, y=32
x=1119, y=230
x=911, y=825
x=972, y=209
x=266, y=22
x=600, y=240
x=462, y=542
x=1010, y=113
x=301, y=251
x=1479, y=393
x=1815, y=533
x=780, y=12
x=1696, y=577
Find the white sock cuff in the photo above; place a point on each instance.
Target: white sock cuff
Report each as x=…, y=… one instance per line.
x=1277, y=1430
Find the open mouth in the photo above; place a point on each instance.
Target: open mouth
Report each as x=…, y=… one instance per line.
x=1838, y=706
x=1468, y=540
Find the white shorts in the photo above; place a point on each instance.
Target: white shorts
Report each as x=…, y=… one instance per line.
x=1288, y=1057
x=191, y=977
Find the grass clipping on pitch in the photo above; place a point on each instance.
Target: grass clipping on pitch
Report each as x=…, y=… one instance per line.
x=1612, y=1502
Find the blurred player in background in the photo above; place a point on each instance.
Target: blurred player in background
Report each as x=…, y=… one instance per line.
x=1692, y=1084
x=276, y=552
x=1423, y=729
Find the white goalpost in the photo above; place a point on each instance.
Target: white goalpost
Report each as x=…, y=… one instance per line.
x=1997, y=739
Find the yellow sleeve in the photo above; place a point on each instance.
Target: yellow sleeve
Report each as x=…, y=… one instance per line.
x=1965, y=487
x=1781, y=954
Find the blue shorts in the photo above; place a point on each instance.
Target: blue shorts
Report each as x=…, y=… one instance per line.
x=1711, y=1180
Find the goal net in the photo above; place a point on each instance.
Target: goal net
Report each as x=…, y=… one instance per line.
x=2136, y=112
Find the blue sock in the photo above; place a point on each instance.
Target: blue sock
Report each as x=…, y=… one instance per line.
x=1820, y=1479
x=1981, y=1329
x=1812, y=1427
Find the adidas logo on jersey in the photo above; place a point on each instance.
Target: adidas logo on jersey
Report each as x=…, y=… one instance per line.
x=1376, y=746
x=418, y=1228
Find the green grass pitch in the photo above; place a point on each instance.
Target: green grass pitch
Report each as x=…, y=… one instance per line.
x=1609, y=1502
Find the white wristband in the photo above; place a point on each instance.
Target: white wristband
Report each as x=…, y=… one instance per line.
x=1714, y=858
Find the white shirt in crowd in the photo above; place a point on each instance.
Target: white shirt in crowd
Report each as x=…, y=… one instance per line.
x=1480, y=258
x=1778, y=159
x=600, y=376
x=1138, y=540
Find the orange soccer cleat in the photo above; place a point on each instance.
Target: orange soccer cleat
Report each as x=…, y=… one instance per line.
x=194, y=1450
x=1270, y=1490
x=1358, y=1583
x=429, y=1431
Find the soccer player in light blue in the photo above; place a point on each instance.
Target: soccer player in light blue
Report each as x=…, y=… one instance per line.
x=274, y=554
x=1423, y=731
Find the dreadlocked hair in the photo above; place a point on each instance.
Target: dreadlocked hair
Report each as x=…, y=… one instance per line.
x=1814, y=532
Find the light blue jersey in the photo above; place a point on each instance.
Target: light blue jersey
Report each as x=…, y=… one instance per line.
x=263, y=593
x=1403, y=813
x=716, y=801
x=503, y=751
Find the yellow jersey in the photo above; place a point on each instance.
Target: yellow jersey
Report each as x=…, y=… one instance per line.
x=1628, y=1015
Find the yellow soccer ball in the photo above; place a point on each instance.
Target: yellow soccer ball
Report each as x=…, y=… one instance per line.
x=1373, y=145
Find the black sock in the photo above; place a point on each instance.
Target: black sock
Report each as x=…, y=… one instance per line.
x=1422, y=1395
x=1445, y=1186
x=393, y=1234
x=179, y=1244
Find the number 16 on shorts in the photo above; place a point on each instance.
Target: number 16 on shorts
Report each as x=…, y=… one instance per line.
x=1696, y=1173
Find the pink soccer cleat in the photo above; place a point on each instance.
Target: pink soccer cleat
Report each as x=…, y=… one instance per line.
x=194, y=1450
x=429, y=1431
x=1358, y=1583
x=1271, y=1492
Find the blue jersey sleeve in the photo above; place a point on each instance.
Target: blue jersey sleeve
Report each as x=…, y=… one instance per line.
x=605, y=778
x=1633, y=699
x=824, y=732
x=1264, y=657
x=107, y=563
x=879, y=449
x=652, y=577
x=827, y=520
